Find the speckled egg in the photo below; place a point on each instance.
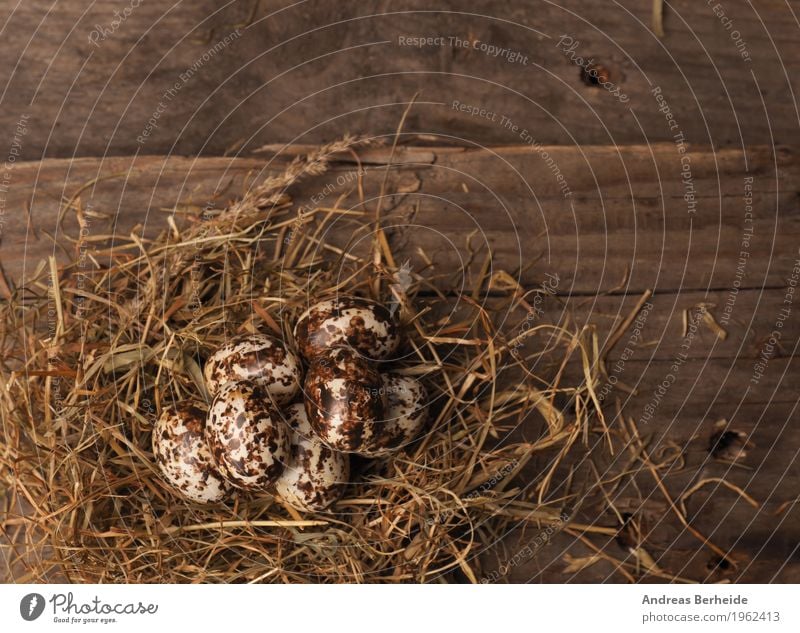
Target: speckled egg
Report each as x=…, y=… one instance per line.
x=183, y=456
x=363, y=325
x=247, y=435
x=406, y=414
x=315, y=475
x=344, y=396
x=257, y=358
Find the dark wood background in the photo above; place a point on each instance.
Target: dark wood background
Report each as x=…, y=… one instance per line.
x=307, y=72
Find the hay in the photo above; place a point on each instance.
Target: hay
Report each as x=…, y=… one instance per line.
x=90, y=360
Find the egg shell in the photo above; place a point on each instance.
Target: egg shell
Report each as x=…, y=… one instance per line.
x=363, y=325
x=247, y=436
x=406, y=413
x=183, y=457
x=344, y=397
x=315, y=475
x=258, y=358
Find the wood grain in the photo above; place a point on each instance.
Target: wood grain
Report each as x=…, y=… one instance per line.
x=307, y=71
x=625, y=225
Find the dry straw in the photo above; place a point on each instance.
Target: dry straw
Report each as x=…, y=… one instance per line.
x=87, y=367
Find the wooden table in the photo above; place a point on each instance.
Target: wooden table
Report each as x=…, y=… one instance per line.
x=621, y=228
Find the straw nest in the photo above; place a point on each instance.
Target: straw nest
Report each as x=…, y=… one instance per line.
x=91, y=358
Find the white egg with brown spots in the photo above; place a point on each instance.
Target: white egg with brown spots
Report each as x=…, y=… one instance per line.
x=247, y=435
x=344, y=397
x=406, y=413
x=258, y=358
x=183, y=457
x=316, y=475
x=365, y=326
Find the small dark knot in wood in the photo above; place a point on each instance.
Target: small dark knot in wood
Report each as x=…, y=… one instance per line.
x=595, y=75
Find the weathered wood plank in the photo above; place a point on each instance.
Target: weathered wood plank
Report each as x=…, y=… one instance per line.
x=310, y=70
x=625, y=226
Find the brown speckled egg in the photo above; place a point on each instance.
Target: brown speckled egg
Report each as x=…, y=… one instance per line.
x=406, y=413
x=344, y=396
x=247, y=435
x=363, y=325
x=315, y=475
x=183, y=456
x=257, y=358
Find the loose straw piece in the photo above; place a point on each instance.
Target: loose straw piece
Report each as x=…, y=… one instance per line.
x=658, y=18
x=220, y=525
